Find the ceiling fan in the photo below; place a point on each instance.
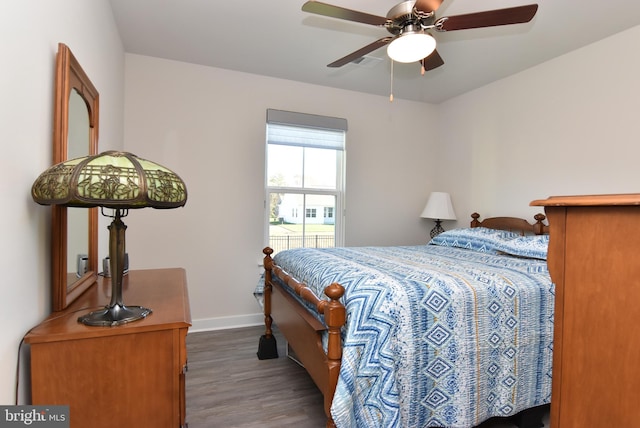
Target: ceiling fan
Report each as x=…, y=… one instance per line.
x=410, y=23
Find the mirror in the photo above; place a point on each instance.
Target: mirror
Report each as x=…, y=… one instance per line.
x=75, y=133
x=77, y=219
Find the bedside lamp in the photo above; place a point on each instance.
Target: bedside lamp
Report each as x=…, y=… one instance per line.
x=119, y=181
x=438, y=208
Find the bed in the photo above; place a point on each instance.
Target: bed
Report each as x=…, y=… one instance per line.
x=446, y=334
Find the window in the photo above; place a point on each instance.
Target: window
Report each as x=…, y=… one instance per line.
x=328, y=212
x=304, y=180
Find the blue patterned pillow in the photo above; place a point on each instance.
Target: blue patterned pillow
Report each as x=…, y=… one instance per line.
x=534, y=247
x=474, y=238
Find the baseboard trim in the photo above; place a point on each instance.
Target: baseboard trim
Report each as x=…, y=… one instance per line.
x=223, y=323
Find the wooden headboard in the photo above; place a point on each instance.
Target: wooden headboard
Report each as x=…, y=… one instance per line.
x=513, y=224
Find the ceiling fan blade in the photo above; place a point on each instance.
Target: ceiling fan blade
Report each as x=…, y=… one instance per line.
x=427, y=5
x=332, y=11
x=360, y=52
x=490, y=18
x=432, y=61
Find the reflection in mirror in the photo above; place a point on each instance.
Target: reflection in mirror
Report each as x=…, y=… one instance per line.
x=77, y=245
x=79, y=130
x=74, y=234
x=77, y=218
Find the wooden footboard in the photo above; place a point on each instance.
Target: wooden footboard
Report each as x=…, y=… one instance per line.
x=302, y=330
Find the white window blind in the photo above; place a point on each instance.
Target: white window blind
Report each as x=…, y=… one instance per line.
x=305, y=130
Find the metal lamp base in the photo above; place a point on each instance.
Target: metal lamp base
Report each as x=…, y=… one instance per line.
x=437, y=229
x=114, y=315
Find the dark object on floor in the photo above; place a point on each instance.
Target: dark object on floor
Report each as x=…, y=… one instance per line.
x=267, y=348
x=531, y=418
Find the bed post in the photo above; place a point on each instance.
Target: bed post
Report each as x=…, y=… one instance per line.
x=335, y=318
x=475, y=222
x=267, y=348
x=539, y=227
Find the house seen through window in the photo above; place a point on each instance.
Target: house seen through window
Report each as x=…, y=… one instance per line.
x=304, y=180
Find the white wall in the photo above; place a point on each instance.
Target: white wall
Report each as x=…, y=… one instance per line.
x=568, y=126
x=208, y=125
x=29, y=34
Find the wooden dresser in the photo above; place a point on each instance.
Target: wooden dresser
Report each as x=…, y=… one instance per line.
x=127, y=376
x=594, y=261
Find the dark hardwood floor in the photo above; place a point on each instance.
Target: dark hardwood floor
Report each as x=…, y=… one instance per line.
x=229, y=387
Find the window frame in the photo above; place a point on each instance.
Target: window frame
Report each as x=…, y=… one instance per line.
x=321, y=122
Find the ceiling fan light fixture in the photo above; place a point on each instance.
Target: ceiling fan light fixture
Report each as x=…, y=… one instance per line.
x=411, y=46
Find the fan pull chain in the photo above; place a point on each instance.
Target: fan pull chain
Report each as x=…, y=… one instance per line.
x=391, y=94
x=422, y=67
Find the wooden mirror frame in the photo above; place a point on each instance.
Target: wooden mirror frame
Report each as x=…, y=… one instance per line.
x=70, y=76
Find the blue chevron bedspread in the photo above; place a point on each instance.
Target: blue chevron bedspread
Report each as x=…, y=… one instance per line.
x=435, y=336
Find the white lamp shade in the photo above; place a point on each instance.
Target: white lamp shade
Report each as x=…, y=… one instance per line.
x=439, y=207
x=411, y=47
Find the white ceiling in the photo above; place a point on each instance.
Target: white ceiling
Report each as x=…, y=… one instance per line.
x=275, y=38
